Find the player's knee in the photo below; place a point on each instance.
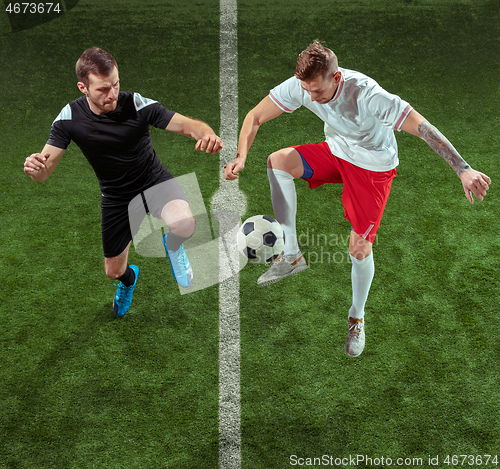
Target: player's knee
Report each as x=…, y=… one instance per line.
x=270, y=160
x=184, y=227
x=276, y=160
x=360, y=251
x=359, y=247
x=288, y=160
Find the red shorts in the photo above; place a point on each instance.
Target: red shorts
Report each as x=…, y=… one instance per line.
x=365, y=192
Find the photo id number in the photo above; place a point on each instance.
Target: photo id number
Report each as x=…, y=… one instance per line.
x=30, y=8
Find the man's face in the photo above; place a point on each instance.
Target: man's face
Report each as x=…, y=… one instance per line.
x=322, y=89
x=102, y=92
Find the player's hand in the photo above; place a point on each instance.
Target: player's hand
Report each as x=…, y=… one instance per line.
x=35, y=163
x=210, y=143
x=232, y=169
x=475, y=183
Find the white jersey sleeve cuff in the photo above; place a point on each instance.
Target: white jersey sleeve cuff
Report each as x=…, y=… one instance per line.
x=402, y=118
x=279, y=104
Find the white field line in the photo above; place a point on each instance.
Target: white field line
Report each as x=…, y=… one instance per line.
x=229, y=204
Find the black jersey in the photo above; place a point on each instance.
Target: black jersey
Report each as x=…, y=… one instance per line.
x=117, y=144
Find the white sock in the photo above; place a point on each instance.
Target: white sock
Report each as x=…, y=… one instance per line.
x=361, y=275
x=284, y=200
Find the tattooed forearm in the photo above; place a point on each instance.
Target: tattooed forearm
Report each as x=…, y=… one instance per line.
x=441, y=145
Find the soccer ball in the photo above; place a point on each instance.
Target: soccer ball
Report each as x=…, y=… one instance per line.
x=261, y=239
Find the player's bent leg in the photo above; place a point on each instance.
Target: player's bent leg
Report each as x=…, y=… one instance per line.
x=117, y=268
x=362, y=273
x=283, y=166
x=181, y=223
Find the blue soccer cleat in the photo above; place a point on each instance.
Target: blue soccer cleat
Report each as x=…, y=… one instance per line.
x=181, y=268
x=123, y=297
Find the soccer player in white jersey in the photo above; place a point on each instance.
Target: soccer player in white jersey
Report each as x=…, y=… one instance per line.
x=360, y=152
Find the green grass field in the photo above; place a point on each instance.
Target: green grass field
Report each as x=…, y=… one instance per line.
x=81, y=389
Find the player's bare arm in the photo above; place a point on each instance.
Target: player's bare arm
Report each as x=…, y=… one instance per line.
x=263, y=112
x=206, y=138
x=39, y=166
x=473, y=181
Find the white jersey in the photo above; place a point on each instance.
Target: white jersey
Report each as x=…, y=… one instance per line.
x=359, y=120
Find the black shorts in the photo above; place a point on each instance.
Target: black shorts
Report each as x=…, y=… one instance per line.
x=117, y=229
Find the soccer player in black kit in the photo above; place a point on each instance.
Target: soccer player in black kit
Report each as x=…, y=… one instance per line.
x=111, y=127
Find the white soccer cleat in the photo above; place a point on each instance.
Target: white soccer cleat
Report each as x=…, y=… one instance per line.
x=282, y=267
x=355, y=342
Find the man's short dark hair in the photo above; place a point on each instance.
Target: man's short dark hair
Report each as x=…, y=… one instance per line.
x=95, y=61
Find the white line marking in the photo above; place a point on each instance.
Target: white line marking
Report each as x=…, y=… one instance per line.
x=229, y=204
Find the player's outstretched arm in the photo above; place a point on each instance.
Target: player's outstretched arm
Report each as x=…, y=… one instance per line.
x=39, y=166
x=206, y=139
x=473, y=181
x=263, y=112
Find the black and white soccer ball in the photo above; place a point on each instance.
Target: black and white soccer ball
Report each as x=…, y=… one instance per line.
x=261, y=239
